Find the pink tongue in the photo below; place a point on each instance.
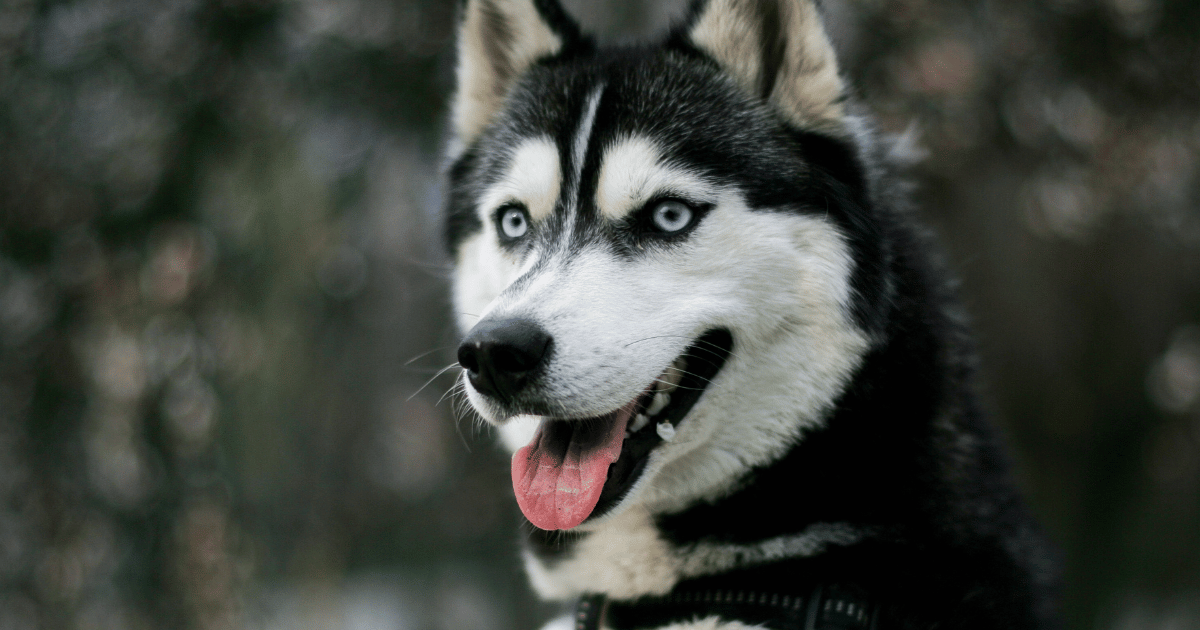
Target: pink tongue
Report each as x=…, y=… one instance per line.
x=558, y=490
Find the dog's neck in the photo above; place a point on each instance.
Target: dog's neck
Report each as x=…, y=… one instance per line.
x=626, y=557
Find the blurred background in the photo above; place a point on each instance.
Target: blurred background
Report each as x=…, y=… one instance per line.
x=223, y=304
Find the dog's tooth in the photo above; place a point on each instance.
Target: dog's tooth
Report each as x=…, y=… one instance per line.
x=639, y=422
x=670, y=379
x=661, y=400
x=666, y=431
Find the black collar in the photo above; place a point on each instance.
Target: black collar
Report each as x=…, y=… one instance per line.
x=823, y=607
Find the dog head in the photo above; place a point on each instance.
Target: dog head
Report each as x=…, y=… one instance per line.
x=664, y=267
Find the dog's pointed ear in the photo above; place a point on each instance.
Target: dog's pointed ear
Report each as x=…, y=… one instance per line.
x=497, y=41
x=777, y=49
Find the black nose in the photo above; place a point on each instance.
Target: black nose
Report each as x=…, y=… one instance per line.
x=500, y=355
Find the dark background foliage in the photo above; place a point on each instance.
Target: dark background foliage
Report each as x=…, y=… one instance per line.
x=221, y=294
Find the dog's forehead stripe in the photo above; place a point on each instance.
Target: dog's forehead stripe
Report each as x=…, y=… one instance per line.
x=584, y=135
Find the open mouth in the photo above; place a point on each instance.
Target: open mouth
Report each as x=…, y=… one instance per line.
x=576, y=469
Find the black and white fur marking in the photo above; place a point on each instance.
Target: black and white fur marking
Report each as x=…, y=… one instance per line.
x=829, y=430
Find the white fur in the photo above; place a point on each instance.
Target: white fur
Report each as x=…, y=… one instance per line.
x=624, y=560
x=633, y=172
x=481, y=272
x=708, y=558
x=519, y=431
x=534, y=179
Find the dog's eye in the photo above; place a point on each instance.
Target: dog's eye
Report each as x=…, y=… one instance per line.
x=671, y=216
x=513, y=222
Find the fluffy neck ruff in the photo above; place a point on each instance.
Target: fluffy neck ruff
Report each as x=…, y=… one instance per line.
x=629, y=557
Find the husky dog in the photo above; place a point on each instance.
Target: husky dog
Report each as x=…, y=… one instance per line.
x=737, y=386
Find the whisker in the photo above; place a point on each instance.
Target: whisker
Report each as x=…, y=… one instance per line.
x=456, y=407
x=434, y=378
x=655, y=337
x=450, y=391
x=453, y=389
x=425, y=354
x=422, y=371
x=699, y=344
x=694, y=389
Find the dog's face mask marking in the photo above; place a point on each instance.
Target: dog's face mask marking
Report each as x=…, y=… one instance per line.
x=631, y=295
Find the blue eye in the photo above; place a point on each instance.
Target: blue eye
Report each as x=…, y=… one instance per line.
x=513, y=222
x=671, y=216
